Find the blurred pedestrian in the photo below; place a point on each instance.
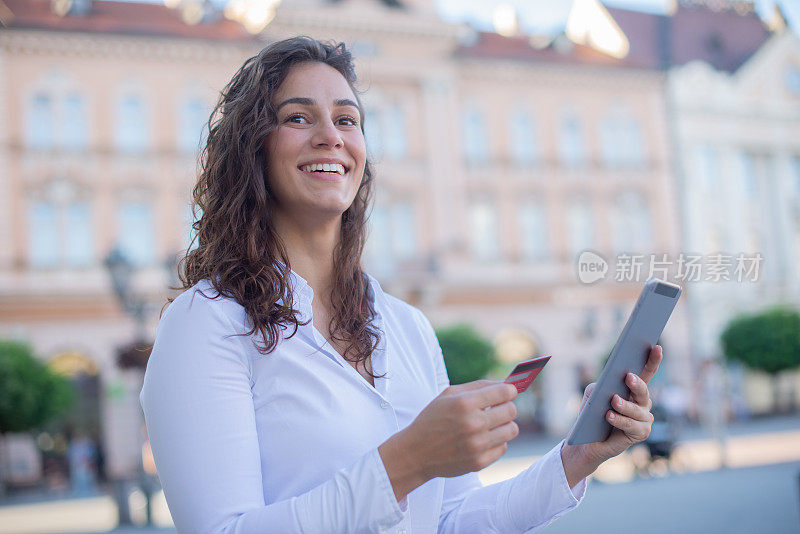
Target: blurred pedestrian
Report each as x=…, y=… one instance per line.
x=81, y=453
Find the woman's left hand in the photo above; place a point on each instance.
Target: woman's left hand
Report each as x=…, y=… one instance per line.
x=630, y=418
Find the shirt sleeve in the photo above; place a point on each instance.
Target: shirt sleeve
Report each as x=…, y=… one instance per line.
x=198, y=407
x=522, y=504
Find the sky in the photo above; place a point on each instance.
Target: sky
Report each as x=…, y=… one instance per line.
x=544, y=15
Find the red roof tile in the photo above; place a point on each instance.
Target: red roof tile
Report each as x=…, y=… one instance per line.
x=118, y=17
x=495, y=46
x=723, y=39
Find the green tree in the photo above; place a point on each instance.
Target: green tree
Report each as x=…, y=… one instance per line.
x=768, y=341
x=31, y=394
x=467, y=355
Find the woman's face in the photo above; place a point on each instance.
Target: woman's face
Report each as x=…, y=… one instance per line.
x=317, y=151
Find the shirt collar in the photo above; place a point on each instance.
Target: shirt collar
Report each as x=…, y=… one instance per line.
x=304, y=293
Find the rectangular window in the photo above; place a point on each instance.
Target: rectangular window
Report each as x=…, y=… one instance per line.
x=523, y=139
x=708, y=167
x=74, y=128
x=43, y=234
x=533, y=226
x=476, y=144
x=79, y=238
x=40, y=124
x=404, y=226
x=378, y=249
x=580, y=228
x=131, y=133
x=570, y=141
x=193, y=117
x=190, y=236
x=136, y=239
x=397, y=138
x=483, y=222
x=373, y=133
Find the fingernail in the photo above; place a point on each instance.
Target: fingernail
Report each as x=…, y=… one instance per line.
x=611, y=415
x=633, y=378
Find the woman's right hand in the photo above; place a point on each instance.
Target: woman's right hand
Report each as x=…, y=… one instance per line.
x=466, y=428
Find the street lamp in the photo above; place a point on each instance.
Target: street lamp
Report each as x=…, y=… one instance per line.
x=130, y=356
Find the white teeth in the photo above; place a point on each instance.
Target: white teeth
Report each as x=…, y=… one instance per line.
x=324, y=167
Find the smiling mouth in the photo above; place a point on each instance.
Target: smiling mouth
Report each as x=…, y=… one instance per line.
x=325, y=168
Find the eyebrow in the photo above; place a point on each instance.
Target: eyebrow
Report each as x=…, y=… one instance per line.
x=310, y=102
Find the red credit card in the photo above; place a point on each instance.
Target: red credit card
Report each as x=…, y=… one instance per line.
x=526, y=372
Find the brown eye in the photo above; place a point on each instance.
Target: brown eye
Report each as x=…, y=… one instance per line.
x=297, y=119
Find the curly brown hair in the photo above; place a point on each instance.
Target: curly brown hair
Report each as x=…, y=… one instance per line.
x=238, y=249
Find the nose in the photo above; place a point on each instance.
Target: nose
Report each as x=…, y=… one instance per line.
x=326, y=135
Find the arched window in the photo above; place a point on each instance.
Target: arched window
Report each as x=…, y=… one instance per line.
x=60, y=227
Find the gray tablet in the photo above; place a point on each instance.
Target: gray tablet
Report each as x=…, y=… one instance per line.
x=641, y=332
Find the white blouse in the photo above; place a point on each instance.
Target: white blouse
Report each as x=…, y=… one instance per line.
x=287, y=442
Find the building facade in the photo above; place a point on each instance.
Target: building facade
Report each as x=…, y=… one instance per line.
x=499, y=161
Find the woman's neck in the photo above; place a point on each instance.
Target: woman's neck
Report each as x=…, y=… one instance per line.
x=310, y=249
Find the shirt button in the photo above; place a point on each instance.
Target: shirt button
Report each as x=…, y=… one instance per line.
x=401, y=531
x=384, y=404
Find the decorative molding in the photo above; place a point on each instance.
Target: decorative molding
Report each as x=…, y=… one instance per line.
x=379, y=24
x=546, y=74
x=109, y=45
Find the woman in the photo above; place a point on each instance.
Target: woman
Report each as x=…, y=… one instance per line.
x=286, y=392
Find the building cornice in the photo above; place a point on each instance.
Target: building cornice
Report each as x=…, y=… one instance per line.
x=377, y=23
x=110, y=45
x=548, y=73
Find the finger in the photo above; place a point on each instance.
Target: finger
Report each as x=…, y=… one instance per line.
x=503, y=434
x=653, y=361
x=587, y=393
x=631, y=409
x=497, y=393
x=492, y=455
x=471, y=386
x=500, y=414
x=635, y=430
x=640, y=394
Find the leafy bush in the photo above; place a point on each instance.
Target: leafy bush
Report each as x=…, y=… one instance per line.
x=768, y=341
x=30, y=392
x=467, y=355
